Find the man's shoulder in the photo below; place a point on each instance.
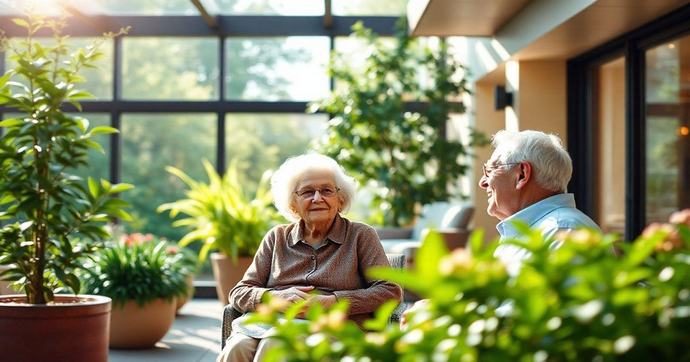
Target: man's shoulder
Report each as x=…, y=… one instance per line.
x=565, y=218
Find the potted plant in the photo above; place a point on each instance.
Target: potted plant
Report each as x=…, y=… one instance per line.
x=143, y=280
x=224, y=217
x=52, y=218
x=189, y=262
x=186, y=263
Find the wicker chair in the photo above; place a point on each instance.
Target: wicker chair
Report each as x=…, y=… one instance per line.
x=229, y=313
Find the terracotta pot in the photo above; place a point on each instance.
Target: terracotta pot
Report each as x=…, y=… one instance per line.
x=227, y=273
x=134, y=327
x=183, y=299
x=74, y=329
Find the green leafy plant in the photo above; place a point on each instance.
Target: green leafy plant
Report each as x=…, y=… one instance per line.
x=405, y=154
x=139, y=270
x=578, y=302
x=54, y=218
x=222, y=214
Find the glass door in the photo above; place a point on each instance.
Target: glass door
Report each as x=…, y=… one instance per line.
x=667, y=129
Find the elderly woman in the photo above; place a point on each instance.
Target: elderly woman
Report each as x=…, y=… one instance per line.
x=319, y=251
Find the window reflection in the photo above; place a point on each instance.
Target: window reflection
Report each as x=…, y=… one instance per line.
x=608, y=113
x=667, y=127
x=291, y=68
x=170, y=68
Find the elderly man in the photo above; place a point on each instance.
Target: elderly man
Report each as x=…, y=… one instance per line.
x=526, y=179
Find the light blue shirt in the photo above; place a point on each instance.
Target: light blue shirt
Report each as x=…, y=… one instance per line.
x=551, y=215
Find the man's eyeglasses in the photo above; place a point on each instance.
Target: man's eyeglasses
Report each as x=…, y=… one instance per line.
x=310, y=193
x=487, y=169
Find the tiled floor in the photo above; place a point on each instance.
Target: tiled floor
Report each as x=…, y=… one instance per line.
x=194, y=337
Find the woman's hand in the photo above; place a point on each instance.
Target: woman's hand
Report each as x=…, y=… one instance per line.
x=293, y=294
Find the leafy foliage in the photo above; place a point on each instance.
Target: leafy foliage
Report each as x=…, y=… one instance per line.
x=578, y=302
x=222, y=214
x=375, y=137
x=55, y=218
x=142, y=271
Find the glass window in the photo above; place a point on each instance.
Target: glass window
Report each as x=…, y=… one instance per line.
x=608, y=114
x=99, y=82
x=150, y=142
x=368, y=7
x=667, y=131
x=272, y=69
x=170, y=68
x=140, y=7
x=271, y=7
x=263, y=141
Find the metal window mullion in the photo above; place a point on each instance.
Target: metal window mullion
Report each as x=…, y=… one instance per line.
x=220, y=141
x=115, y=114
x=635, y=141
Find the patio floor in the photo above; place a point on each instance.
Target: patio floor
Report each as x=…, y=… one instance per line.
x=194, y=337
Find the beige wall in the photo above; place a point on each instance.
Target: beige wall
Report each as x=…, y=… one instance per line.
x=542, y=97
x=489, y=121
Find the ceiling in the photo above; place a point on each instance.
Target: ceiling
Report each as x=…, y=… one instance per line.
x=466, y=17
x=598, y=23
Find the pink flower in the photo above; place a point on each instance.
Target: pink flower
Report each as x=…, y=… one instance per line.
x=171, y=250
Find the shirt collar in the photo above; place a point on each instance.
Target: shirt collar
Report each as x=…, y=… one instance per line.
x=335, y=234
x=533, y=213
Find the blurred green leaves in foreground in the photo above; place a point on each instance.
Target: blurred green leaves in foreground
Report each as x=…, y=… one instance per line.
x=577, y=302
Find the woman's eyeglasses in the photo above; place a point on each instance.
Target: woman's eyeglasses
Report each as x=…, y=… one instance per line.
x=310, y=193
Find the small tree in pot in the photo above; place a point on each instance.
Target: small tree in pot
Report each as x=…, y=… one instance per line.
x=403, y=153
x=55, y=218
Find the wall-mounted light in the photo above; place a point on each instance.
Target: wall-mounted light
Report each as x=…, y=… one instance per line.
x=502, y=99
x=683, y=131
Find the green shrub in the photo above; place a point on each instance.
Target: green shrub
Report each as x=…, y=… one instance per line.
x=142, y=271
x=578, y=302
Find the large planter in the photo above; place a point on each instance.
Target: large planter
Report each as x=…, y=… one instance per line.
x=134, y=327
x=227, y=273
x=74, y=329
x=182, y=300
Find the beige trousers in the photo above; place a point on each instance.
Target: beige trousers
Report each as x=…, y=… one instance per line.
x=240, y=348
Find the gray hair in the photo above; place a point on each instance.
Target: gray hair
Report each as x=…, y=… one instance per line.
x=284, y=181
x=552, y=167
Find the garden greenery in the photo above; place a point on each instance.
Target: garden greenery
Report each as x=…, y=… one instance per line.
x=374, y=134
x=139, y=270
x=222, y=214
x=54, y=218
x=579, y=302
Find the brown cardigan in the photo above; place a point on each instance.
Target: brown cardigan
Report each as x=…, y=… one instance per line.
x=285, y=260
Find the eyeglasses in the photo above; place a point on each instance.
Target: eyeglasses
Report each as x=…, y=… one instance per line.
x=488, y=169
x=310, y=193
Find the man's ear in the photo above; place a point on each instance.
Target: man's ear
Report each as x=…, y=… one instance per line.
x=524, y=175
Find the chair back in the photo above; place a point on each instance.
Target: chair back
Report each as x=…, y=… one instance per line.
x=442, y=215
x=396, y=261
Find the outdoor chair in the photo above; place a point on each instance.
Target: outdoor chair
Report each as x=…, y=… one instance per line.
x=396, y=261
x=451, y=220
